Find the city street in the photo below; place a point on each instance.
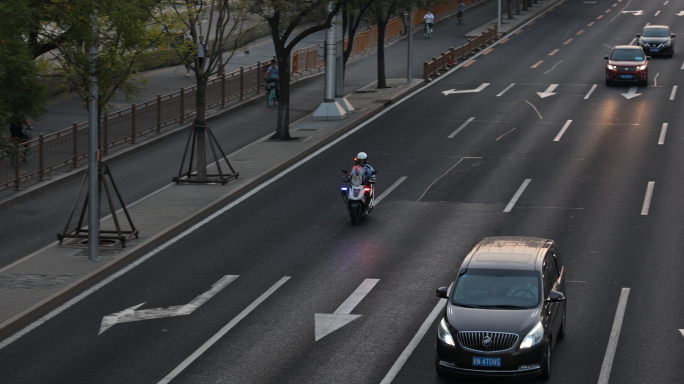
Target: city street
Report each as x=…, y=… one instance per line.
x=523, y=139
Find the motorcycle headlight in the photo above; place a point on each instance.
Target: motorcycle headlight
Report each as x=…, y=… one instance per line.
x=535, y=336
x=444, y=334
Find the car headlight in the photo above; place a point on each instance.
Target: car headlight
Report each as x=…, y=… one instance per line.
x=641, y=67
x=444, y=334
x=611, y=67
x=667, y=43
x=535, y=336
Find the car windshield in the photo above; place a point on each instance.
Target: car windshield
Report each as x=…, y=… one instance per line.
x=656, y=32
x=497, y=288
x=627, y=55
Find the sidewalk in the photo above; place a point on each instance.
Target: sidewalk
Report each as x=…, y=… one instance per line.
x=40, y=281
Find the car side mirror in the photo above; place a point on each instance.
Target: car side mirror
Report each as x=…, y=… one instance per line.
x=672, y=36
x=555, y=297
x=605, y=57
x=638, y=36
x=648, y=57
x=442, y=292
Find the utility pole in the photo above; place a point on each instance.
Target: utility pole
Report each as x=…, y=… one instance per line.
x=329, y=108
x=93, y=171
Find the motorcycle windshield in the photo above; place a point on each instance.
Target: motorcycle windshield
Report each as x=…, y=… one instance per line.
x=356, y=175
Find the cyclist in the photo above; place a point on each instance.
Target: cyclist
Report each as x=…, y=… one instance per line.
x=20, y=136
x=428, y=19
x=459, y=11
x=272, y=76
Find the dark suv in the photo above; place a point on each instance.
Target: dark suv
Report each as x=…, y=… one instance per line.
x=505, y=310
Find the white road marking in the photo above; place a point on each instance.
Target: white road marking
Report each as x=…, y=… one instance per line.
x=647, y=198
x=437, y=179
x=504, y=91
x=562, y=131
x=517, y=195
x=376, y=201
x=631, y=93
x=131, y=314
x=413, y=343
x=222, y=332
x=548, y=92
x=497, y=139
x=478, y=89
x=663, y=131
x=535, y=109
x=460, y=128
x=590, y=92
x=657, y=13
x=614, y=336
x=674, y=92
x=554, y=67
x=682, y=331
x=325, y=323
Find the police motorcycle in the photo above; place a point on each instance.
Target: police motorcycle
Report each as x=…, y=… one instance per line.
x=358, y=196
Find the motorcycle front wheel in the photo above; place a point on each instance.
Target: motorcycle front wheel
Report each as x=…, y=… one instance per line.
x=355, y=214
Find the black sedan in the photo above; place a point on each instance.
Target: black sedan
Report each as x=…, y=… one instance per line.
x=506, y=309
x=657, y=40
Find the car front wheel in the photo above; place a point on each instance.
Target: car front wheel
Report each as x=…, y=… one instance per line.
x=546, y=364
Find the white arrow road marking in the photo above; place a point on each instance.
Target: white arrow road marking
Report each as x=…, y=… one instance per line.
x=631, y=93
x=517, y=195
x=682, y=331
x=130, y=314
x=326, y=324
x=635, y=13
x=478, y=89
x=680, y=13
x=647, y=198
x=548, y=92
x=176, y=371
x=614, y=336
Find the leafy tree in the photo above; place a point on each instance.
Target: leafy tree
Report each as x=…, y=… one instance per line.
x=21, y=93
x=291, y=21
x=381, y=11
x=223, y=30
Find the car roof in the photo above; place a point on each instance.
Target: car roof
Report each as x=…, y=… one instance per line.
x=656, y=26
x=627, y=47
x=508, y=252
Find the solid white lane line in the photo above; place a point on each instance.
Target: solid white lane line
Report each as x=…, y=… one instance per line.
x=517, y=195
x=614, y=336
x=647, y=198
x=413, y=343
x=674, y=92
x=390, y=189
x=663, y=131
x=504, y=91
x=562, y=131
x=461, y=127
x=590, y=91
x=223, y=331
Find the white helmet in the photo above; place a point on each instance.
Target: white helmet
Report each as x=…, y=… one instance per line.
x=362, y=156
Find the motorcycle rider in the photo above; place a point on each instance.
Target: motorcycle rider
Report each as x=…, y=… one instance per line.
x=362, y=161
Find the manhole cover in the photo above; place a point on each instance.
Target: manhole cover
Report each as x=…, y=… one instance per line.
x=105, y=243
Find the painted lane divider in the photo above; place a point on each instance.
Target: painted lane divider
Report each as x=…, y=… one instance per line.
x=326, y=324
x=195, y=355
x=593, y=87
x=614, y=336
x=682, y=331
x=390, y=189
x=504, y=91
x=478, y=89
x=673, y=93
x=517, y=195
x=460, y=128
x=663, y=131
x=562, y=131
x=548, y=92
x=131, y=314
x=647, y=198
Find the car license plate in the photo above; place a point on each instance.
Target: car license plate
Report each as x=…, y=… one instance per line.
x=486, y=361
x=625, y=76
x=654, y=49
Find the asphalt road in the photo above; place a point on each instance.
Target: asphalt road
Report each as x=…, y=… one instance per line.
x=582, y=160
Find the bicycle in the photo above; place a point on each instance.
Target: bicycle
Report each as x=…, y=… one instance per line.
x=459, y=14
x=428, y=30
x=271, y=94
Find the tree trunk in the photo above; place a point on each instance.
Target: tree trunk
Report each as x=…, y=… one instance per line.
x=199, y=127
x=517, y=7
x=382, y=80
x=510, y=9
x=283, y=125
